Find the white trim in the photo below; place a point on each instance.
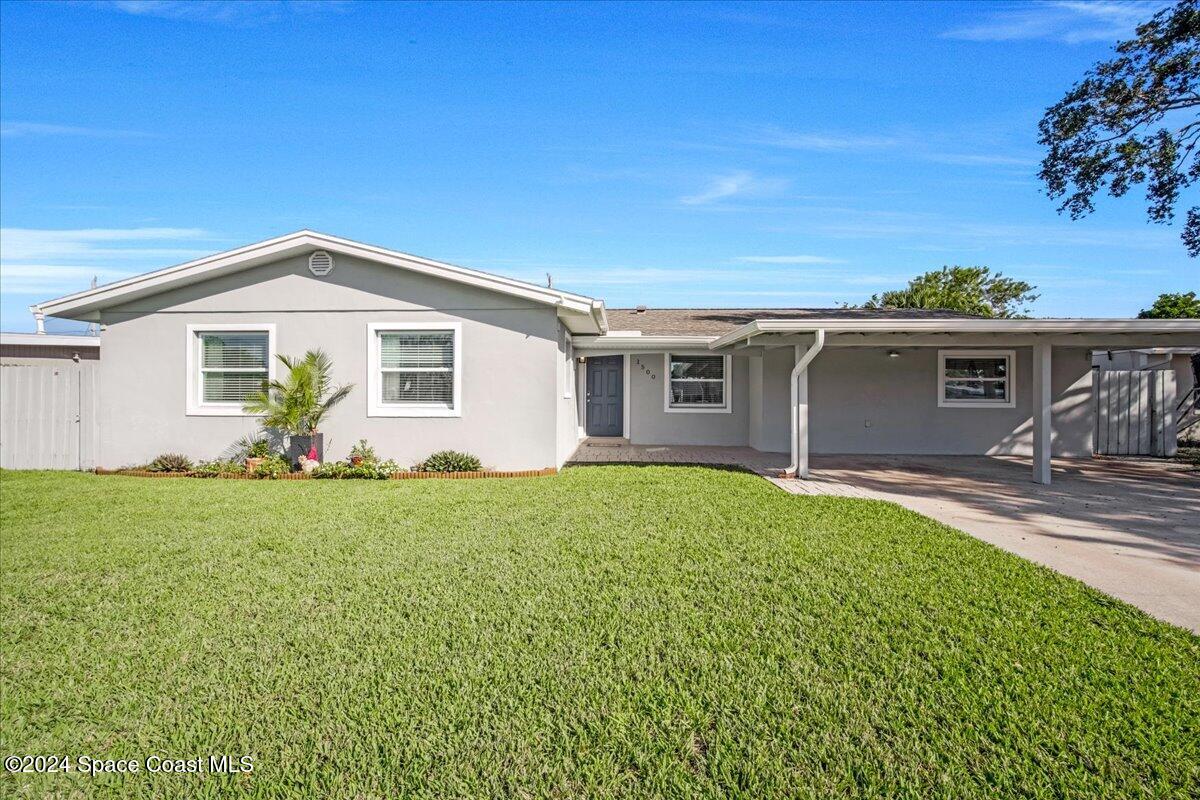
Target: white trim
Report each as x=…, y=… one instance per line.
x=637, y=343
x=1010, y=379
x=568, y=365
x=625, y=393
x=580, y=310
x=726, y=388
x=375, y=405
x=49, y=339
x=195, y=405
x=950, y=325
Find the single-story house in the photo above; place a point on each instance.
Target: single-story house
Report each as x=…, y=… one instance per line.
x=518, y=374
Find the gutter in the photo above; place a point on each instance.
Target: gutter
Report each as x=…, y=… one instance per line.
x=795, y=469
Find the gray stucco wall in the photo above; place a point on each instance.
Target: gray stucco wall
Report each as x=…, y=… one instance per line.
x=861, y=401
x=510, y=351
x=650, y=424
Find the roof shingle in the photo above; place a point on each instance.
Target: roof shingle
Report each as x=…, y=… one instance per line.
x=719, y=321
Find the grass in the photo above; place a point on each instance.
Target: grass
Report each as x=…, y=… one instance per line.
x=613, y=631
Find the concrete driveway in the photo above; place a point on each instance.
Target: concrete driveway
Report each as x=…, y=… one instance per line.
x=1129, y=528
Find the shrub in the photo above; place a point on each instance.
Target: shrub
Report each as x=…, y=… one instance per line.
x=366, y=470
x=364, y=451
x=213, y=469
x=449, y=461
x=258, y=448
x=273, y=466
x=170, y=462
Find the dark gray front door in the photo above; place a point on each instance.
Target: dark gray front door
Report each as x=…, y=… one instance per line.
x=605, y=395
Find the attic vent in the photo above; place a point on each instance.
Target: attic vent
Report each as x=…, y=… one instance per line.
x=320, y=263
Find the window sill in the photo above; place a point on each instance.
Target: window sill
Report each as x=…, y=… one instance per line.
x=697, y=410
x=218, y=411
x=412, y=411
x=974, y=404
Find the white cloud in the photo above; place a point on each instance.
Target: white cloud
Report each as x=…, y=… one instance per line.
x=1070, y=22
x=236, y=12
x=733, y=185
x=14, y=129
x=788, y=260
x=822, y=142
x=54, y=262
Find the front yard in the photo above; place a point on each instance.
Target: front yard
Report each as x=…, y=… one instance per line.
x=612, y=631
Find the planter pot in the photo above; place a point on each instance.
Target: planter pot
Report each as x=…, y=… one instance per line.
x=300, y=445
x=252, y=463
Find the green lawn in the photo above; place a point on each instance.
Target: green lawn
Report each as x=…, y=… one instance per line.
x=612, y=631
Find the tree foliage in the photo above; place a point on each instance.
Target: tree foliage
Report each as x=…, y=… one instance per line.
x=298, y=403
x=1173, y=306
x=1132, y=120
x=971, y=290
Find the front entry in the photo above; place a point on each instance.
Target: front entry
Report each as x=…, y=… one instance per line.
x=605, y=396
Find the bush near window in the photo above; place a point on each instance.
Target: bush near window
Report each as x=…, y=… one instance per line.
x=368, y=470
x=449, y=461
x=214, y=469
x=272, y=466
x=170, y=462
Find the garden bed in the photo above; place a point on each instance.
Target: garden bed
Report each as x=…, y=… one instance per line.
x=304, y=476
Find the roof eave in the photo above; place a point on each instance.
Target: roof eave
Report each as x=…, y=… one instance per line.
x=997, y=326
x=81, y=303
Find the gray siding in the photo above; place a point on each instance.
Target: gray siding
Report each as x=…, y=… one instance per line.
x=510, y=353
x=650, y=424
x=851, y=387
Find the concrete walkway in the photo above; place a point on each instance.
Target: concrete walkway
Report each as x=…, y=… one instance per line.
x=1128, y=528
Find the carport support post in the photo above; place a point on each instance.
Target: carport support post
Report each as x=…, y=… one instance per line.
x=1041, y=413
x=800, y=420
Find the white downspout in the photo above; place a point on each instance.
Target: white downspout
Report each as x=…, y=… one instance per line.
x=798, y=370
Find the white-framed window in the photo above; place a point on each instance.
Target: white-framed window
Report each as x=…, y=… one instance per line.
x=568, y=367
x=696, y=382
x=414, y=369
x=226, y=364
x=976, y=378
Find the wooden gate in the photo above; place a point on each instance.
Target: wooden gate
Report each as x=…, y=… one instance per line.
x=48, y=416
x=1135, y=412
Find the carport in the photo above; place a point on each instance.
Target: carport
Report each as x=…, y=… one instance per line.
x=1045, y=339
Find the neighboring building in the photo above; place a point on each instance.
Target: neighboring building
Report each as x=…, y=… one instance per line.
x=47, y=349
x=446, y=357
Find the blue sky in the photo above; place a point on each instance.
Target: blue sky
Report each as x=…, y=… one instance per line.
x=674, y=155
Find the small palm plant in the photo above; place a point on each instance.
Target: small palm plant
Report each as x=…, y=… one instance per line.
x=297, y=404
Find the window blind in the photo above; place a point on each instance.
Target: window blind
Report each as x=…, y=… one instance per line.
x=232, y=365
x=697, y=380
x=417, y=367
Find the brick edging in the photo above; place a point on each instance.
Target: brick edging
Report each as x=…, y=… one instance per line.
x=302, y=476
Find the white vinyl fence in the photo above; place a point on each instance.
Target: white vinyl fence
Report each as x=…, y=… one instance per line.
x=1135, y=412
x=49, y=416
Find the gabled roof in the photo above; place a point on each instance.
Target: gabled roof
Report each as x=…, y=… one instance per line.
x=579, y=313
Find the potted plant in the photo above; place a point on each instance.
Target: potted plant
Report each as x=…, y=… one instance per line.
x=363, y=453
x=297, y=404
x=256, y=453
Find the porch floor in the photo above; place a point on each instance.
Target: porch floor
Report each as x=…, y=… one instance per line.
x=1126, y=527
